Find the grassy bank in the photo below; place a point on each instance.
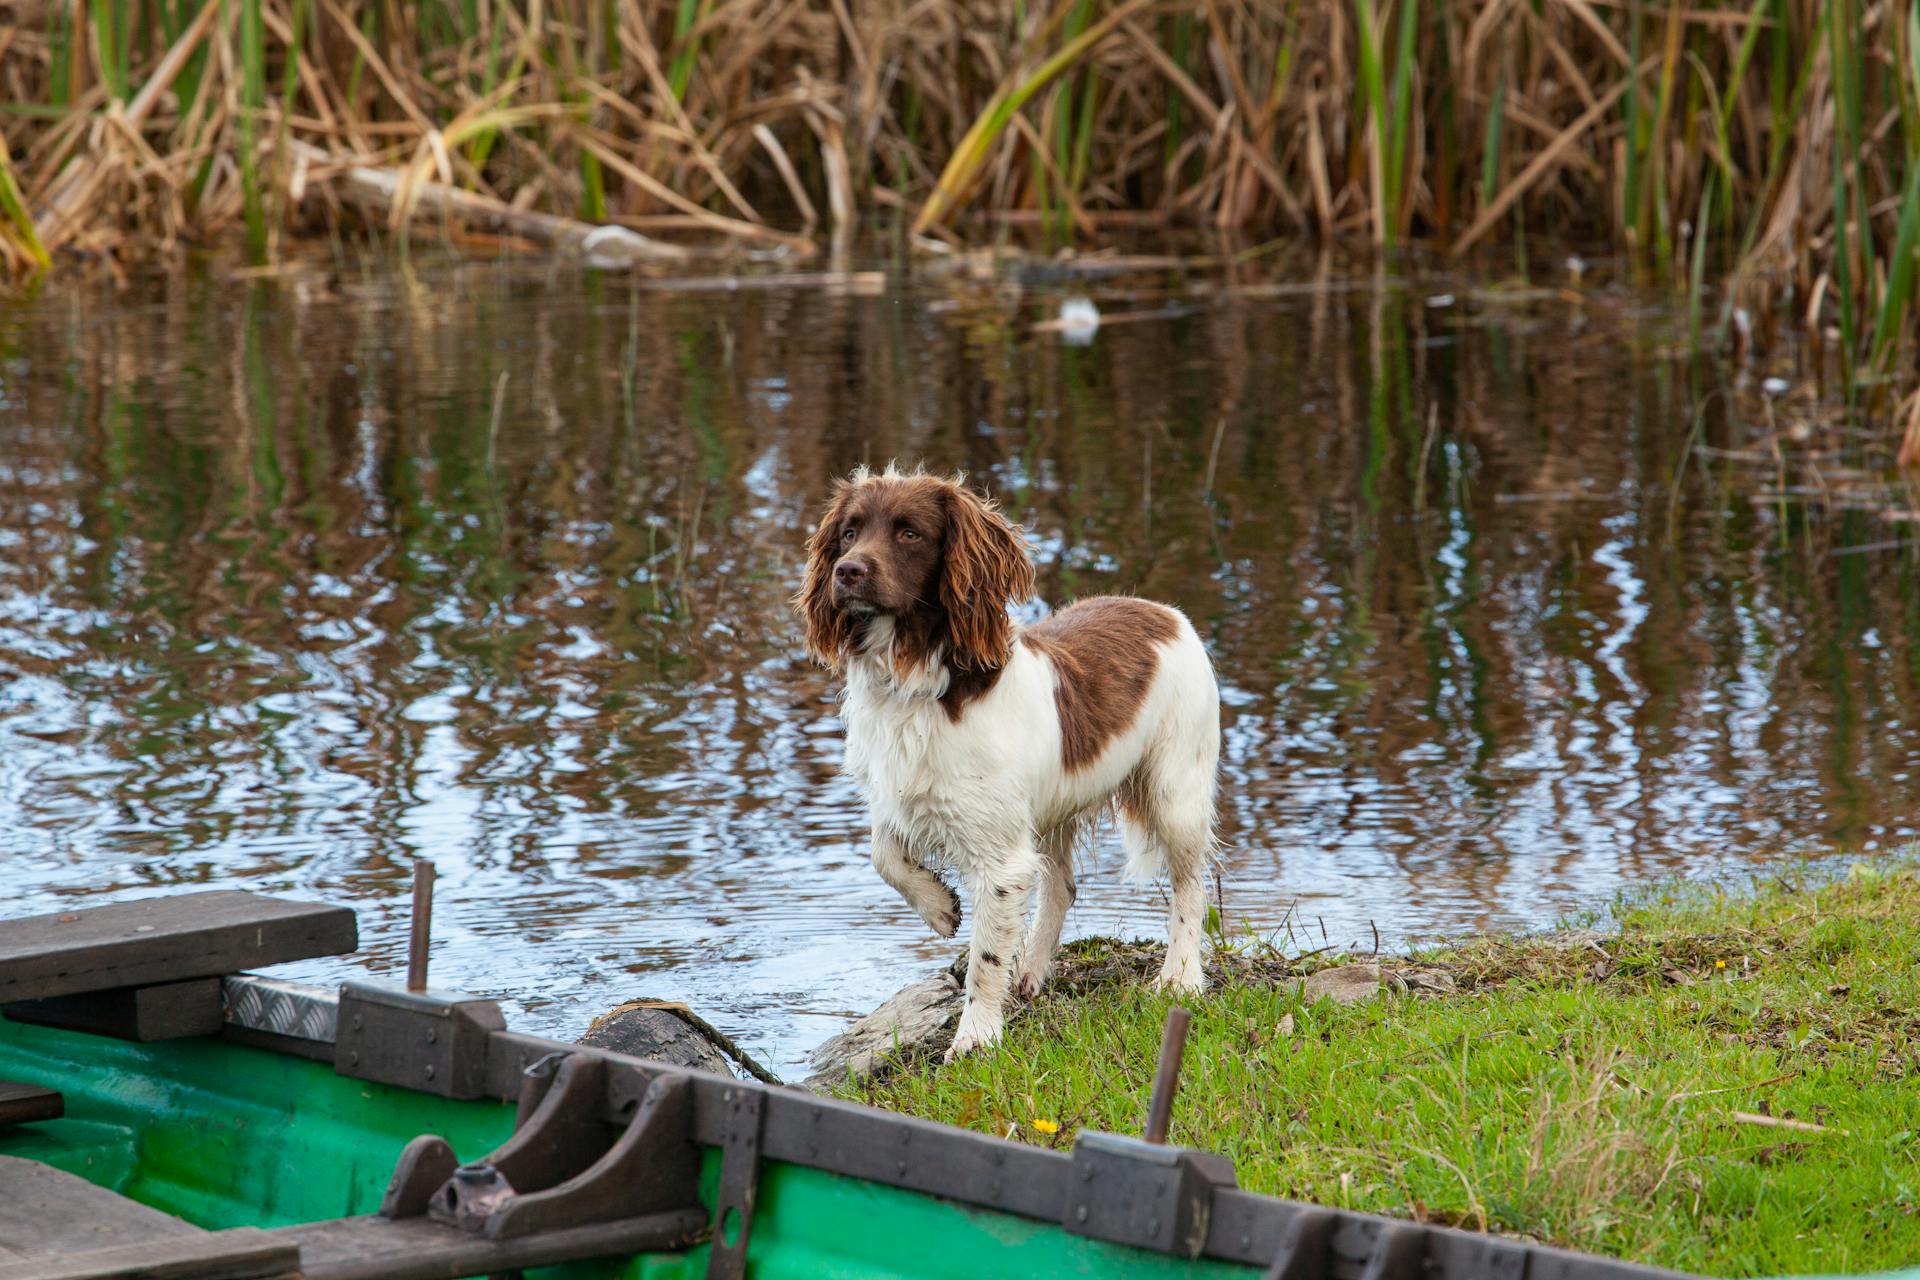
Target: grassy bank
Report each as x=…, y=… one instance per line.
x=1727, y=1085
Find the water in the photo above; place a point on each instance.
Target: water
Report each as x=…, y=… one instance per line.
x=283, y=605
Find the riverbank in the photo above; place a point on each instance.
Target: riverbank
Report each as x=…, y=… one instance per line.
x=1725, y=1084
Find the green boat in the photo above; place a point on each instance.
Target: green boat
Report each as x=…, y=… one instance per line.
x=166, y=1111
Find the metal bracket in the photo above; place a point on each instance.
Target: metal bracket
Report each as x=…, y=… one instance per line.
x=1395, y=1250
x=559, y=1169
x=435, y=1042
x=1134, y=1192
x=425, y=1164
x=1305, y=1245
x=740, y=1129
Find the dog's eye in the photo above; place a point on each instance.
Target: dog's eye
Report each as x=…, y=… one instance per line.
x=909, y=535
x=847, y=536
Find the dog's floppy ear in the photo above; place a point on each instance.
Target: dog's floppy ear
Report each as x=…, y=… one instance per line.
x=986, y=569
x=829, y=632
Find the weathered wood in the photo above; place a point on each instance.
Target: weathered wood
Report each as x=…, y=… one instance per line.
x=20, y=1103
x=44, y=1211
x=165, y=1012
x=241, y=1254
x=160, y=940
x=913, y=1020
x=371, y=1248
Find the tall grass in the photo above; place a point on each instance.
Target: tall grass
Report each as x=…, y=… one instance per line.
x=1758, y=154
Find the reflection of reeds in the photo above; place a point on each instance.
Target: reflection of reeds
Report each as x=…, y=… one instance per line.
x=1775, y=138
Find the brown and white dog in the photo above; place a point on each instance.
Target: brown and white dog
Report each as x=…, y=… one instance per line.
x=990, y=748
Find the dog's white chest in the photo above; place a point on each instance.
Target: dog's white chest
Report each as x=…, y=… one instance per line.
x=923, y=776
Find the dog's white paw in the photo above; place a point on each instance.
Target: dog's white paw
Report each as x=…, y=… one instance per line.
x=1186, y=979
x=942, y=917
x=974, y=1033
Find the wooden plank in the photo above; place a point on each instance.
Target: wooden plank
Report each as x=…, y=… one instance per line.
x=44, y=1211
x=372, y=1248
x=245, y=1253
x=20, y=1103
x=169, y=1011
x=157, y=940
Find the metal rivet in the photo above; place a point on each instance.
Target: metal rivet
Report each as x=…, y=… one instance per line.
x=903, y=1166
x=357, y=1022
x=429, y=1071
x=432, y=1036
x=1080, y=1214
x=727, y=1095
x=1153, y=1226
x=1086, y=1174
x=1246, y=1242
x=353, y=1057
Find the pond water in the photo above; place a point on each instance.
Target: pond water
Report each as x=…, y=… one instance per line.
x=303, y=577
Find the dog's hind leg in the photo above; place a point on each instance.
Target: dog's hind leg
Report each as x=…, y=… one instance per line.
x=924, y=891
x=1167, y=819
x=1056, y=895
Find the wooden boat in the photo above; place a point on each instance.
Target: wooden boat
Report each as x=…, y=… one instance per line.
x=167, y=1112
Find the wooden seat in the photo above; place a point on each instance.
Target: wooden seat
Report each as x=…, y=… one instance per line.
x=56, y=1226
x=20, y=1103
x=156, y=941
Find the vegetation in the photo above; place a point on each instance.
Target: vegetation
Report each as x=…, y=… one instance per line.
x=1725, y=1085
x=1769, y=147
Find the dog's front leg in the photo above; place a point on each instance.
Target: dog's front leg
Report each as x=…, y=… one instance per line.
x=924, y=891
x=1000, y=892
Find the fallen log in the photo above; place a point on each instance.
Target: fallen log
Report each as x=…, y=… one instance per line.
x=380, y=188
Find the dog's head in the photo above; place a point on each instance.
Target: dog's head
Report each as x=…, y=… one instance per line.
x=927, y=553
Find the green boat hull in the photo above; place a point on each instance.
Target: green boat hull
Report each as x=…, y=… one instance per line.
x=226, y=1135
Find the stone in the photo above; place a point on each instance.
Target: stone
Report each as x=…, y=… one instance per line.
x=1345, y=984
x=656, y=1031
x=915, y=1018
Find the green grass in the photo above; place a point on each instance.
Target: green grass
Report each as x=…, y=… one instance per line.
x=1574, y=1088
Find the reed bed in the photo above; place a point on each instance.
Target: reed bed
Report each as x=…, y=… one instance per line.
x=1763, y=156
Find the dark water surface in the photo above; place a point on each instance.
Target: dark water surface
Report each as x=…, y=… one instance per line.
x=282, y=606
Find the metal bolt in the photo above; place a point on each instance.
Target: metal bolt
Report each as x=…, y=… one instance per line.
x=432, y=1036
x=1086, y=1174
x=357, y=1021
x=429, y=1071
x=1080, y=1214
x=353, y=1057
x=726, y=1095
x=903, y=1166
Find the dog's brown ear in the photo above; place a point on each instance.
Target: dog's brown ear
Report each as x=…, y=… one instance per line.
x=986, y=569
x=829, y=631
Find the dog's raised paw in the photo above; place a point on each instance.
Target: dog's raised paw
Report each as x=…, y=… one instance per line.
x=1027, y=984
x=944, y=920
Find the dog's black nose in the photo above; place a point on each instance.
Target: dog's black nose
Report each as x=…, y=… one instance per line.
x=851, y=572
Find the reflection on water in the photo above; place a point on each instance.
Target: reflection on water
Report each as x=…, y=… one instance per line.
x=302, y=579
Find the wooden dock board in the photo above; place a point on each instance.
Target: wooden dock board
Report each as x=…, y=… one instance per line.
x=170, y=939
x=372, y=1248
x=21, y=1103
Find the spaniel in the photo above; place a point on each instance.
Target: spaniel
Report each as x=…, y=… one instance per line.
x=989, y=747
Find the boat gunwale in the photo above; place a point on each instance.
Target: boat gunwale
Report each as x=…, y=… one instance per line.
x=978, y=1170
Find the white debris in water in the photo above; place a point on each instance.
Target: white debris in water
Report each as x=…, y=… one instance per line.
x=1440, y=300
x=1576, y=267
x=1743, y=321
x=613, y=246
x=1079, y=320
x=1775, y=386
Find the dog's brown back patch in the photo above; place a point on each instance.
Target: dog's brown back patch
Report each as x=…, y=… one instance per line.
x=1105, y=652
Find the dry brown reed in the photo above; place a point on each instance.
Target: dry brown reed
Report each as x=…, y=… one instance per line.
x=1772, y=146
